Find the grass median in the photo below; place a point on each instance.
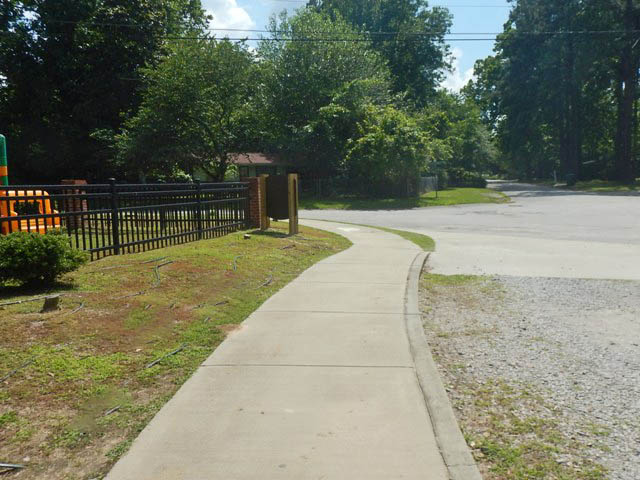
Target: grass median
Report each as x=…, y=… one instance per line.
x=452, y=196
x=80, y=383
x=597, y=186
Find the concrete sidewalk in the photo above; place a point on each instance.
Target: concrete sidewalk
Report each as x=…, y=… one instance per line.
x=319, y=383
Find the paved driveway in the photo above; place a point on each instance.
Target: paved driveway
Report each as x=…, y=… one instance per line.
x=543, y=232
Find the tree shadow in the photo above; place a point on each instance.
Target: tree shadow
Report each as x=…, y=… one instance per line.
x=269, y=233
x=8, y=290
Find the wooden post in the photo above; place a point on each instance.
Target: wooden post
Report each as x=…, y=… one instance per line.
x=264, y=219
x=115, y=227
x=292, y=184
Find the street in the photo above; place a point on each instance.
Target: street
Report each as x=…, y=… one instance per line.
x=543, y=232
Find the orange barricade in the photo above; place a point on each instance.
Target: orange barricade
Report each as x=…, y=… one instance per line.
x=40, y=204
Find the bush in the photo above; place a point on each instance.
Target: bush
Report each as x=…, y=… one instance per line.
x=459, y=177
x=35, y=259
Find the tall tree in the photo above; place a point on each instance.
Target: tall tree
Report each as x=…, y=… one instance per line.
x=390, y=152
x=626, y=89
x=409, y=34
x=313, y=91
x=70, y=67
x=578, y=63
x=194, y=111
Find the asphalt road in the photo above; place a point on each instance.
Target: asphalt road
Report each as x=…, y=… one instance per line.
x=543, y=232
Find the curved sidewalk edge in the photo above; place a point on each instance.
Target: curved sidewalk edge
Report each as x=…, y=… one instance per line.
x=453, y=447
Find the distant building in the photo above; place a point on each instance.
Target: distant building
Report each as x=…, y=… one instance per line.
x=254, y=164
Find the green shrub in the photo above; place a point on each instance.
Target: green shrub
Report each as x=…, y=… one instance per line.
x=35, y=259
x=459, y=177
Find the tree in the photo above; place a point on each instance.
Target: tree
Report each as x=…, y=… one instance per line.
x=626, y=90
x=71, y=67
x=389, y=153
x=194, y=112
x=577, y=64
x=455, y=126
x=313, y=92
x=417, y=61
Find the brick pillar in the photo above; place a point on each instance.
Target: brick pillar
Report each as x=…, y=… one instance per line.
x=257, y=208
x=74, y=204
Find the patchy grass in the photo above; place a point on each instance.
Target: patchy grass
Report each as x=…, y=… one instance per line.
x=452, y=196
x=512, y=430
x=431, y=280
x=74, y=366
x=514, y=436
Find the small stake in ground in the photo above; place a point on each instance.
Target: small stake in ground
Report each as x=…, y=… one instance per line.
x=51, y=304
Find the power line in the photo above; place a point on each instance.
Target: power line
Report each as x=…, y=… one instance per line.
x=363, y=33
x=310, y=39
x=431, y=5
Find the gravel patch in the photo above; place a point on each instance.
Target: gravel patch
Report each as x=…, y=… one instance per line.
x=575, y=343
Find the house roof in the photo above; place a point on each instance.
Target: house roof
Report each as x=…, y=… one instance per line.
x=247, y=159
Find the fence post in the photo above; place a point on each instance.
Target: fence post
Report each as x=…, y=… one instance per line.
x=199, y=208
x=115, y=227
x=248, y=193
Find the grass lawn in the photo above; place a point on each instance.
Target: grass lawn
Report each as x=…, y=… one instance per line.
x=79, y=388
x=452, y=196
x=605, y=186
x=595, y=186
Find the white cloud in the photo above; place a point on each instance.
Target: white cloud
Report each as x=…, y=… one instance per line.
x=227, y=14
x=456, y=79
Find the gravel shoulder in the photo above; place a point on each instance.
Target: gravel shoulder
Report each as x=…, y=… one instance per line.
x=543, y=373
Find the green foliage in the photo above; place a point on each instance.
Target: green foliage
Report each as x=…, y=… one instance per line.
x=68, y=70
x=390, y=151
x=564, y=102
x=314, y=93
x=193, y=112
x=416, y=63
x=461, y=139
x=32, y=258
x=111, y=92
x=459, y=177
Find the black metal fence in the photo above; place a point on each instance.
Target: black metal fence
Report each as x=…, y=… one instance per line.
x=112, y=219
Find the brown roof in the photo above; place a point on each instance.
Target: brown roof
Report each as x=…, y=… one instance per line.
x=245, y=159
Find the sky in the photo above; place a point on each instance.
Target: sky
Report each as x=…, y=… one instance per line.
x=469, y=16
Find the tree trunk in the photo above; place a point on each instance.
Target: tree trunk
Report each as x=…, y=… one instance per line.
x=571, y=93
x=628, y=80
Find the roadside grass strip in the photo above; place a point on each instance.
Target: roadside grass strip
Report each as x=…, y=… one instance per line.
x=425, y=242
x=606, y=186
x=81, y=383
x=451, y=196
